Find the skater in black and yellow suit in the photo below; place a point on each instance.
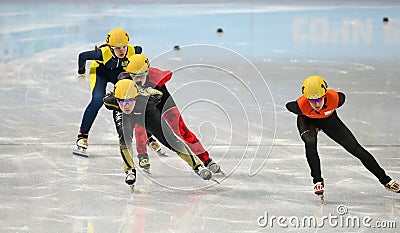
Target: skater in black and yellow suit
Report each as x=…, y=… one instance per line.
x=131, y=107
x=144, y=76
x=108, y=61
x=316, y=110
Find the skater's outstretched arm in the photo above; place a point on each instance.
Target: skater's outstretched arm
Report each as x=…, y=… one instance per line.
x=316, y=110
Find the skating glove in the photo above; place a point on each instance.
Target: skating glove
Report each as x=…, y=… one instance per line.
x=81, y=77
x=153, y=94
x=124, y=75
x=156, y=98
x=110, y=101
x=138, y=49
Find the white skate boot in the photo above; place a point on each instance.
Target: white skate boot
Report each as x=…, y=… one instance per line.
x=214, y=167
x=144, y=163
x=130, y=179
x=203, y=172
x=393, y=186
x=82, y=145
x=319, y=190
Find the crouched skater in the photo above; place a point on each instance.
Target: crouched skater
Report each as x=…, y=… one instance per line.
x=316, y=110
x=145, y=77
x=131, y=107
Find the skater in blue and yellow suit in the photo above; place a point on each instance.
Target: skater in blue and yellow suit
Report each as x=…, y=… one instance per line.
x=108, y=61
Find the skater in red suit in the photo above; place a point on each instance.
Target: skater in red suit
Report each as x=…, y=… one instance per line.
x=316, y=110
x=139, y=70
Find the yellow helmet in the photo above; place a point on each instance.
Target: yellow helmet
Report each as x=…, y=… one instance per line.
x=117, y=38
x=314, y=87
x=126, y=89
x=138, y=64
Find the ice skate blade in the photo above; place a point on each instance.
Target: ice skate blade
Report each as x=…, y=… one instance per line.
x=391, y=190
x=321, y=196
x=80, y=152
x=161, y=154
x=147, y=171
x=216, y=181
x=222, y=173
x=132, y=188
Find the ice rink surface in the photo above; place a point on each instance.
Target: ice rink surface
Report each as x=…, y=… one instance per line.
x=231, y=88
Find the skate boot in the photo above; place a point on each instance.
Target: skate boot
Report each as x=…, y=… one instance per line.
x=214, y=167
x=130, y=179
x=393, y=186
x=144, y=163
x=82, y=141
x=319, y=190
x=203, y=172
x=82, y=145
x=155, y=146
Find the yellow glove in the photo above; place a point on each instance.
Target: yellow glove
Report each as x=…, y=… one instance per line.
x=148, y=91
x=153, y=94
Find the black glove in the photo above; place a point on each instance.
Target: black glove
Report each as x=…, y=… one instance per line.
x=110, y=101
x=138, y=49
x=156, y=98
x=124, y=75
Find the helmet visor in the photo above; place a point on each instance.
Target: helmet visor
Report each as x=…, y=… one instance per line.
x=141, y=75
x=119, y=48
x=316, y=100
x=126, y=101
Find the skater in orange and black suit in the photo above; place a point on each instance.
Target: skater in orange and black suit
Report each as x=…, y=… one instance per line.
x=316, y=110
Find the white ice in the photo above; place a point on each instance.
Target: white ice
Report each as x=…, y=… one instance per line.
x=232, y=89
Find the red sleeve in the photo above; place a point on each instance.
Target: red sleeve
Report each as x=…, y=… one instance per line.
x=159, y=77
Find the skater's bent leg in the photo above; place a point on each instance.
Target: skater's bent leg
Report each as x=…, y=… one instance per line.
x=308, y=134
x=165, y=136
x=91, y=112
x=127, y=153
x=175, y=121
x=190, y=159
x=141, y=139
x=93, y=107
x=343, y=136
x=124, y=125
x=168, y=139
